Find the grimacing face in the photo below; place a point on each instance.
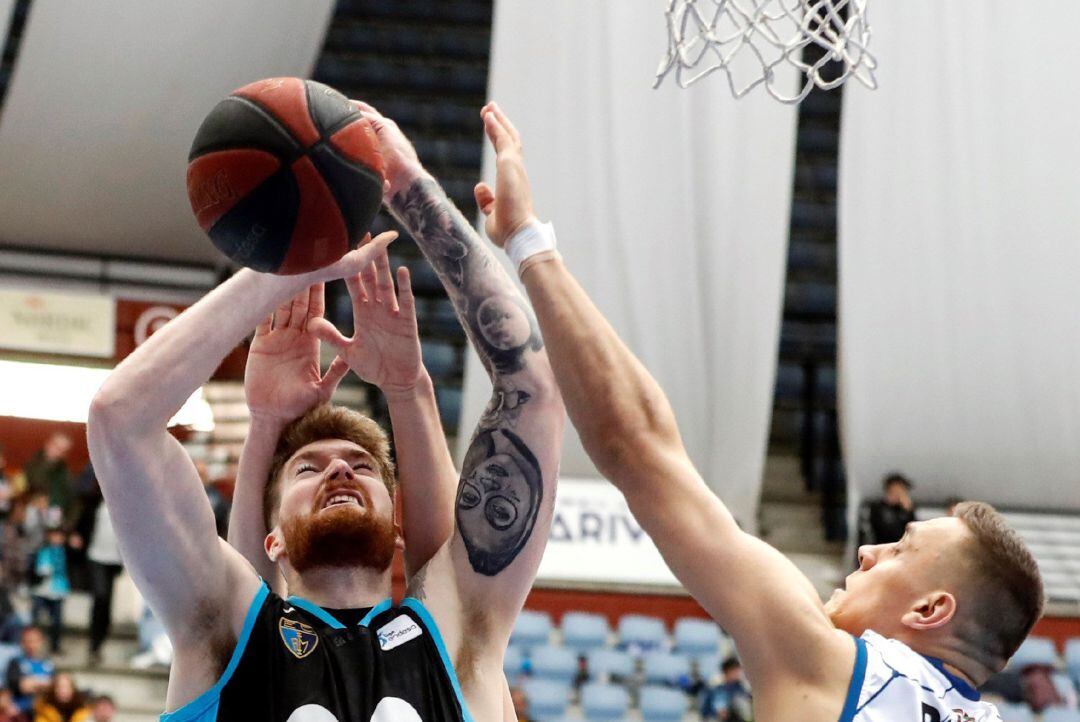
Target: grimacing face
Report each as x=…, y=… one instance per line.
x=892, y=578
x=503, y=324
x=323, y=470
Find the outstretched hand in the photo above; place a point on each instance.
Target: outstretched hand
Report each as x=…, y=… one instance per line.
x=385, y=347
x=283, y=379
x=509, y=207
x=399, y=155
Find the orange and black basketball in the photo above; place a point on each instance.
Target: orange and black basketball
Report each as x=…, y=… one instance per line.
x=285, y=175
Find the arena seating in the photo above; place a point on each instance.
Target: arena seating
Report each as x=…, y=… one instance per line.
x=662, y=704
x=583, y=631
x=604, y=701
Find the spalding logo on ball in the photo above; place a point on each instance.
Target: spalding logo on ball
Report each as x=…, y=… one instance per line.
x=285, y=175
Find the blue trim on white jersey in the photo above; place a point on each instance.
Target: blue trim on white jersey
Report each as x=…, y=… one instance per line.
x=204, y=707
x=965, y=689
x=433, y=629
x=858, y=675
x=316, y=611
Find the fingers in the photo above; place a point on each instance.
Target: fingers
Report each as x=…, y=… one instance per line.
x=406, y=300
x=327, y=332
x=283, y=314
x=499, y=129
x=504, y=120
x=354, y=261
x=485, y=198
x=369, y=281
x=317, y=300
x=384, y=281
x=333, y=376
x=264, y=326
x=298, y=316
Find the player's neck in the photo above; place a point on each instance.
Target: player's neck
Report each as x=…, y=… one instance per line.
x=953, y=657
x=341, y=588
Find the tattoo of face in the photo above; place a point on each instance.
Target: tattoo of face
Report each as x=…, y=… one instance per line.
x=505, y=405
x=505, y=328
x=498, y=499
x=428, y=214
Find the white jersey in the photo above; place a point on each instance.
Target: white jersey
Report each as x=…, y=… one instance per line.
x=894, y=683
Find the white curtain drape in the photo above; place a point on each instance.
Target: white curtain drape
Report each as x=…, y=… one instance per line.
x=672, y=209
x=959, y=260
x=105, y=101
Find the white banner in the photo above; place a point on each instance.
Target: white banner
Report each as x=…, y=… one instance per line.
x=959, y=321
x=60, y=323
x=596, y=540
x=672, y=211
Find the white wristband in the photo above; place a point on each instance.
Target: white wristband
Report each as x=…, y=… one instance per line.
x=534, y=238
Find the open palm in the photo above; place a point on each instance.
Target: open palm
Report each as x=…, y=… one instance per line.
x=385, y=347
x=283, y=378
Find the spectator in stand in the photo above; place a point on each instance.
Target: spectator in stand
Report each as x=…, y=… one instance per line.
x=9, y=711
x=7, y=489
x=32, y=671
x=104, y=709
x=47, y=472
x=893, y=512
x=48, y=595
x=62, y=702
x=103, y=557
x=729, y=701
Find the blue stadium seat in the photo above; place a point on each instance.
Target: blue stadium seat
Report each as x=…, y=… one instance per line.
x=8, y=652
x=1060, y=714
x=1072, y=659
x=1015, y=712
x=441, y=360
x=695, y=637
x=1064, y=685
x=547, y=700
x=708, y=665
x=604, y=701
x=583, y=631
x=558, y=664
x=449, y=402
x=641, y=632
x=609, y=664
x=438, y=316
x=662, y=704
x=513, y=663
x=531, y=629
x=665, y=668
x=1035, y=650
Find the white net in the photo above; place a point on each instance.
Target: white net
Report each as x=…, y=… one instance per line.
x=752, y=40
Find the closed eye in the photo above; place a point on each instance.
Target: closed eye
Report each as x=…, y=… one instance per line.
x=363, y=465
x=304, y=468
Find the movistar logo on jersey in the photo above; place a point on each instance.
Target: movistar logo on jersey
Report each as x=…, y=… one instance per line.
x=299, y=638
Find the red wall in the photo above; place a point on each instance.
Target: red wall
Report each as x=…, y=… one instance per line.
x=22, y=437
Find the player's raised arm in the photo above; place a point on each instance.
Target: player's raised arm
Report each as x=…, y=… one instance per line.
x=196, y=584
x=629, y=430
x=385, y=351
x=282, y=381
x=476, y=586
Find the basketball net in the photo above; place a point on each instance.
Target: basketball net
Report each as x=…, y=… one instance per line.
x=705, y=36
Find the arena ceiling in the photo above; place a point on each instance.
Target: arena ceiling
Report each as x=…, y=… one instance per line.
x=103, y=105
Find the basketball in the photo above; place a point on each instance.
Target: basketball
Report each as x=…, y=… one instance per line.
x=285, y=176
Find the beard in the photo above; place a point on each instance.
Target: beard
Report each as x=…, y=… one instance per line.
x=344, y=536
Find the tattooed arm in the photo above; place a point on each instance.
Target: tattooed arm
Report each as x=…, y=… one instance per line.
x=475, y=586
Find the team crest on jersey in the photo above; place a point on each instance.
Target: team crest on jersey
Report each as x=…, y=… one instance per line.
x=962, y=716
x=299, y=638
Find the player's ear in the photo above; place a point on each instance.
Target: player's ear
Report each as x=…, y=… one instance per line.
x=274, y=545
x=931, y=611
x=399, y=537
